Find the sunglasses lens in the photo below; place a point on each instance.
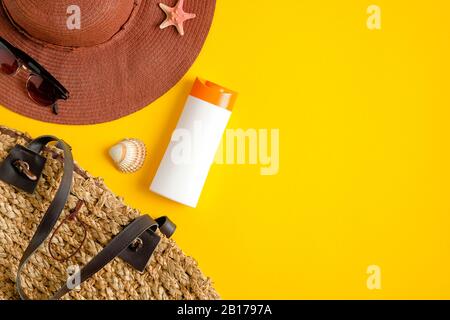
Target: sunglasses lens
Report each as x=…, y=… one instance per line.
x=8, y=62
x=41, y=91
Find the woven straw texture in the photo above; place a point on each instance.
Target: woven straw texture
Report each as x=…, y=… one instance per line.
x=169, y=275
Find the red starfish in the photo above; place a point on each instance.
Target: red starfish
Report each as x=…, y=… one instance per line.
x=176, y=16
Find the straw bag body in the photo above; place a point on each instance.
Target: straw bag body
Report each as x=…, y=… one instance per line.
x=64, y=235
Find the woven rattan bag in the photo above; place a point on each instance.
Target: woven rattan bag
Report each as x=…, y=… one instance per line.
x=106, y=249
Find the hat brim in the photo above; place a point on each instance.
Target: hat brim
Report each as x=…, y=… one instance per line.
x=114, y=79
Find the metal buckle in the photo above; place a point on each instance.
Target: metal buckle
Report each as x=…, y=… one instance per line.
x=137, y=244
x=24, y=168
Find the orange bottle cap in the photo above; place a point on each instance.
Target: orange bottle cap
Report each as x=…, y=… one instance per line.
x=214, y=94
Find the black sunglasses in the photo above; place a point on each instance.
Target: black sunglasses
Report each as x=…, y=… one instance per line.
x=41, y=86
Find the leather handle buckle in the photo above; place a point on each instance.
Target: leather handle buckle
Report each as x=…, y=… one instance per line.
x=137, y=244
x=24, y=168
x=140, y=250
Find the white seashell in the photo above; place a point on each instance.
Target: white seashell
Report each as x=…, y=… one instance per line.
x=128, y=155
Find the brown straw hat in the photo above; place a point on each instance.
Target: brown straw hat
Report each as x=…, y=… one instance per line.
x=118, y=62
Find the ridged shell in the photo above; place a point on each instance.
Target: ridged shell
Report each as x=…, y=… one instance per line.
x=128, y=155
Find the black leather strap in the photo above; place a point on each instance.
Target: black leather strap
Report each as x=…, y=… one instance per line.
x=142, y=228
x=166, y=226
x=139, y=253
x=54, y=210
x=120, y=243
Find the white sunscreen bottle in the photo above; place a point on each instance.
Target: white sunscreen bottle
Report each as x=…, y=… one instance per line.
x=194, y=143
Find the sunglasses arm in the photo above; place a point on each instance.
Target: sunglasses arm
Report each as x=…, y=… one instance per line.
x=55, y=108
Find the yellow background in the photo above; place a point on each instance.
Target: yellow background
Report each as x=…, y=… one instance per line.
x=364, y=156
